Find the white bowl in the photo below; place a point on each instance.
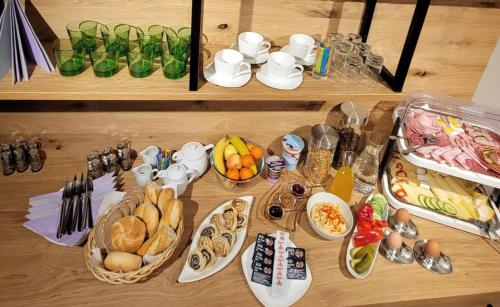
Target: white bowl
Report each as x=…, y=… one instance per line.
x=344, y=209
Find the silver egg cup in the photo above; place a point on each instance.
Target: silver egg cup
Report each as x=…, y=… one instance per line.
x=439, y=265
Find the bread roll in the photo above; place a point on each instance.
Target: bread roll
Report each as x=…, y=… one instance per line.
x=152, y=191
x=172, y=214
x=159, y=242
x=149, y=214
x=165, y=197
x=121, y=261
x=127, y=234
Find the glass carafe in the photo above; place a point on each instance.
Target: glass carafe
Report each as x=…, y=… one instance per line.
x=365, y=168
x=343, y=182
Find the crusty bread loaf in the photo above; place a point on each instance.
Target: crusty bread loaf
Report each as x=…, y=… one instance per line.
x=162, y=239
x=127, y=234
x=152, y=191
x=166, y=195
x=172, y=214
x=148, y=213
x=122, y=262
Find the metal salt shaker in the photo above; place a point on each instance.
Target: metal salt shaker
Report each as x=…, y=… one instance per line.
x=124, y=158
x=109, y=159
x=94, y=165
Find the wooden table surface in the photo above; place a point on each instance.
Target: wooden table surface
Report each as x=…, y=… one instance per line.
x=35, y=271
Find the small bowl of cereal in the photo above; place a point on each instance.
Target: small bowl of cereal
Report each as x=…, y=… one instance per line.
x=329, y=216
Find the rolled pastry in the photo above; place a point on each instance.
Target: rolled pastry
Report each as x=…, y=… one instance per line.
x=209, y=255
x=197, y=261
x=218, y=221
x=221, y=246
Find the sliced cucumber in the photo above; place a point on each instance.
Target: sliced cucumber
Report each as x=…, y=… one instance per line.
x=447, y=208
x=421, y=200
x=377, y=216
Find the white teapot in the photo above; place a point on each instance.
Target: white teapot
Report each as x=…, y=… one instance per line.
x=176, y=176
x=194, y=156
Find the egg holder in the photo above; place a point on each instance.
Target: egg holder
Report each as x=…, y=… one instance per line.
x=407, y=230
x=402, y=255
x=440, y=264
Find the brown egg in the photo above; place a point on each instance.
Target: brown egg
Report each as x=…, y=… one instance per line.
x=432, y=248
x=402, y=215
x=394, y=240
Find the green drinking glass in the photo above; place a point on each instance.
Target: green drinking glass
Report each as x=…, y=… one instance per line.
x=70, y=62
x=173, y=67
x=140, y=65
x=104, y=63
x=179, y=40
x=150, y=38
x=116, y=36
x=83, y=34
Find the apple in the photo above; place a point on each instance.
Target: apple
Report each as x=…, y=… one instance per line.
x=233, y=161
x=229, y=150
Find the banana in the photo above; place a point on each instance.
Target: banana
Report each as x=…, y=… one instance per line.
x=219, y=155
x=242, y=149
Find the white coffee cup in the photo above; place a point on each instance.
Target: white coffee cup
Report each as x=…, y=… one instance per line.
x=252, y=44
x=281, y=65
x=229, y=64
x=301, y=46
x=144, y=173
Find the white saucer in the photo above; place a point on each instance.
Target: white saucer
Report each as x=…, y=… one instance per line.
x=212, y=77
x=261, y=58
x=287, y=84
x=304, y=62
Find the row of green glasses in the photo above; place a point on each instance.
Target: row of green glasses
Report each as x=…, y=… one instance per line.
x=116, y=42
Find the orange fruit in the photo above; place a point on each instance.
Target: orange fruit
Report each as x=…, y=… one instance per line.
x=257, y=152
x=246, y=173
x=233, y=173
x=247, y=161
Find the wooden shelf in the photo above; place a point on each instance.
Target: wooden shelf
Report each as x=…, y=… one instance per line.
x=122, y=86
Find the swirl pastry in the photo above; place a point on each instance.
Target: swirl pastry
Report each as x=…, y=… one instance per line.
x=221, y=246
x=218, y=220
x=242, y=221
x=239, y=204
x=230, y=237
x=210, y=231
x=231, y=219
x=209, y=256
x=205, y=242
x=197, y=261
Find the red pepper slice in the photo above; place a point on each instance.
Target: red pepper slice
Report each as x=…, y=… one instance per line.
x=362, y=239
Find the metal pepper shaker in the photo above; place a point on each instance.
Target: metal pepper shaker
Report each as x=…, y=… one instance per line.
x=109, y=159
x=20, y=155
x=94, y=165
x=124, y=158
x=7, y=159
x=34, y=154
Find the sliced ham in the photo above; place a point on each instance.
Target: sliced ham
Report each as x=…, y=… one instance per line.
x=450, y=155
x=436, y=154
x=462, y=160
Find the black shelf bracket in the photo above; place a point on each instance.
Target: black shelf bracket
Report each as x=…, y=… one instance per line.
x=397, y=80
x=196, y=46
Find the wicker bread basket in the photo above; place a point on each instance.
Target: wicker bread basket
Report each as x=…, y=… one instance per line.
x=134, y=276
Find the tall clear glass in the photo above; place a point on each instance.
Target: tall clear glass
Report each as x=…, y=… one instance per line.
x=342, y=50
x=373, y=66
x=352, y=67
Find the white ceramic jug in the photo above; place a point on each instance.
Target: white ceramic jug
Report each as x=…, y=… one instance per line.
x=144, y=173
x=178, y=176
x=194, y=156
x=150, y=155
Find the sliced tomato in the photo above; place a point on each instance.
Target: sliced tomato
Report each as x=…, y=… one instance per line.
x=401, y=193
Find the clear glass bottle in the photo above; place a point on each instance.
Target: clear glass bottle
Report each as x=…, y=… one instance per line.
x=366, y=167
x=322, y=143
x=343, y=183
x=373, y=66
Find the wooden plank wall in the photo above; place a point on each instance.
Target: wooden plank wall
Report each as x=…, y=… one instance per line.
x=454, y=48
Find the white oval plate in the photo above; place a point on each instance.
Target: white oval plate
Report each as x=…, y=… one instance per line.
x=297, y=288
x=348, y=257
x=190, y=275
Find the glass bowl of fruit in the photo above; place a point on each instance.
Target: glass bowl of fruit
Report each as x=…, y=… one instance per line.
x=237, y=163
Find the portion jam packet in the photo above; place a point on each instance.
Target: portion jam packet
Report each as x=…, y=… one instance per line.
x=296, y=268
x=263, y=260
